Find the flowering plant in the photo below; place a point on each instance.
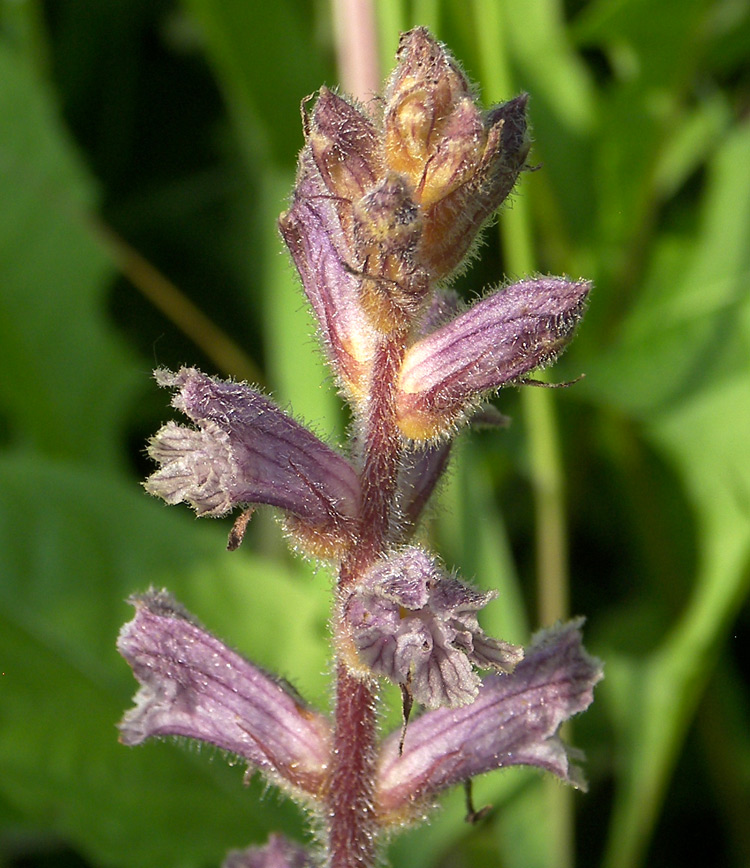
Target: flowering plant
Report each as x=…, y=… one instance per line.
x=388, y=203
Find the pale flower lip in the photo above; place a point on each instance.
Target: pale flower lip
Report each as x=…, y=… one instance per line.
x=246, y=450
x=513, y=721
x=192, y=685
x=418, y=627
x=499, y=339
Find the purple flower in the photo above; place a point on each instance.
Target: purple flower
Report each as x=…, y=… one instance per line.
x=278, y=853
x=192, y=685
x=246, y=451
x=418, y=627
x=513, y=721
x=497, y=340
x=319, y=247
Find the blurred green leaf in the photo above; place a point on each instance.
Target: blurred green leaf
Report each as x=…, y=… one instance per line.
x=263, y=56
x=64, y=381
x=681, y=368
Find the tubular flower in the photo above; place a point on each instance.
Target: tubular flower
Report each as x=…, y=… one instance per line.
x=497, y=340
x=247, y=451
x=192, y=685
x=513, y=721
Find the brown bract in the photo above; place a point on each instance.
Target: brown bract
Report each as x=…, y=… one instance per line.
x=410, y=181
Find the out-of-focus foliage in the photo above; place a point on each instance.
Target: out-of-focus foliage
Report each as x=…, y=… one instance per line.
x=175, y=127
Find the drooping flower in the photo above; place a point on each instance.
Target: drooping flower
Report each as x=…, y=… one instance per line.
x=418, y=627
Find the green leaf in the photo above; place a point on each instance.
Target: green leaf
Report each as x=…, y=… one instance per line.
x=680, y=367
x=64, y=381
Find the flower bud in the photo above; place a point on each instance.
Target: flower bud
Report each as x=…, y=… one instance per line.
x=322, y=252
x=461, y=162
x=422, y=92
x=345, y=145
x=387, y=231
x=499, y=339
x=385, y=207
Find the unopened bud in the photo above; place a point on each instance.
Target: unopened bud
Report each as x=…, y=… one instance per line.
x=460, y=161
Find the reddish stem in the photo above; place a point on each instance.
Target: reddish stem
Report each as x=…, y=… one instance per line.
x=352, y=829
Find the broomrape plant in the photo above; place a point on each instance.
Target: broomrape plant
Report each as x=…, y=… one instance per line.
x=388, y=203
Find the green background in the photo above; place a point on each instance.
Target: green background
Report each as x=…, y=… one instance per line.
x=144, y=134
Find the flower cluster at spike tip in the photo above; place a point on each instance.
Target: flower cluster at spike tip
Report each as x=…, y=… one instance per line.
x=389, y=201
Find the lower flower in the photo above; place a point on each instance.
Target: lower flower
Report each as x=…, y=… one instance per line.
x=514, y=720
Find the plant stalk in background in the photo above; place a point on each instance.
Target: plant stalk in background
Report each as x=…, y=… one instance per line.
x=388, y=203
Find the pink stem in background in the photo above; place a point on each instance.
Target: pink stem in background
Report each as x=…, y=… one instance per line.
x=357, y=48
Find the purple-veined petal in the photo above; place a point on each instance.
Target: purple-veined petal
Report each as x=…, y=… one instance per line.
x=322, y=255
x=497, y=340
x=422, y=466
x=246, y=450
x=513, y=721
x=278, y=853
x=192, y=685
x=418, y=627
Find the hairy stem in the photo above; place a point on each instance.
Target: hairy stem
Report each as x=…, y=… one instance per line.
x=352, y=830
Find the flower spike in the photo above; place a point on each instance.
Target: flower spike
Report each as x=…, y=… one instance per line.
x=389, y=200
